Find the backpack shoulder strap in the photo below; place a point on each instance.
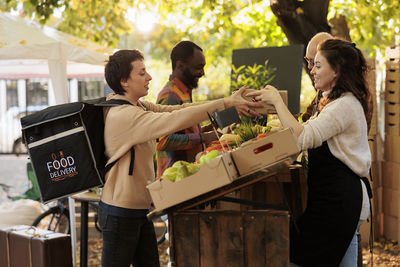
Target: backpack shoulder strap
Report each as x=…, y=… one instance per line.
x=113, y=103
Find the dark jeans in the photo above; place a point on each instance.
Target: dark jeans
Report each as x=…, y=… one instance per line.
x=128, y=241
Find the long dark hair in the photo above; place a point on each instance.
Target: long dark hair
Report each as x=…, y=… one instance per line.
x=349, y=62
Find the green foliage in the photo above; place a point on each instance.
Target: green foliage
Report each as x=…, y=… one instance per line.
x=249, y=129
x=102, y=22
x=216, y=82
x=373, y=24
x=217, y=26
x=214, y=85
x=255, y=77
x=160, y=71
x=42, y=9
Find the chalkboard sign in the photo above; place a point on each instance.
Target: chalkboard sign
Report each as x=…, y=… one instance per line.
x=287, y=63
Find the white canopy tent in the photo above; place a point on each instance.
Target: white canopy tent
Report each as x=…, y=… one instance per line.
x=22, y=39
x=38, y=68
x=27, y=40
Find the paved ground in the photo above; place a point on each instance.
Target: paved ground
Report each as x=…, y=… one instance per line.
x=94, y=253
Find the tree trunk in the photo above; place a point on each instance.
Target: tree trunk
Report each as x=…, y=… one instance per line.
x=339, y=27
x=301, y=20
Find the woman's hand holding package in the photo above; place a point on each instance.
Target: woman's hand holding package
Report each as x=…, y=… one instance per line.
x=243, y=107
x=268, y=95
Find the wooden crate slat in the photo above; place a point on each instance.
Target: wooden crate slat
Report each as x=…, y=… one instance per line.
x=277, y=240
x=254, y=228
x=392, y=52
x=230, y=238
x=188, y=248
x=221, y=239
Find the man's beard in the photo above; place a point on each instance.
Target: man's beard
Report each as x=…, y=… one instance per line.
x=190, y=82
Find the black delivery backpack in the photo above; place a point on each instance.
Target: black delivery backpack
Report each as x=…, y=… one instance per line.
x=66, y=147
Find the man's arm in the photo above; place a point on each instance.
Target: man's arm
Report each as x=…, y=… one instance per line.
x=176, y=141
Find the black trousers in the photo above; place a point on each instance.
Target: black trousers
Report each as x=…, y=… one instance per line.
x=128, y=241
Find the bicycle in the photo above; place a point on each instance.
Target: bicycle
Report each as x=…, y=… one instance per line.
x=54, y=219
x=57, y=219
x=161, y=228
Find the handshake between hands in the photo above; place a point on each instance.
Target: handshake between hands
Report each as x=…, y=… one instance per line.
x=248, y=100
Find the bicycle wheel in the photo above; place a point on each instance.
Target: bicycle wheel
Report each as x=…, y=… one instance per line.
x=53, y=220
x=161, y=228
x=95, y=207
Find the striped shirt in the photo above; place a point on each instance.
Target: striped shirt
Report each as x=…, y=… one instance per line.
x=182, y=145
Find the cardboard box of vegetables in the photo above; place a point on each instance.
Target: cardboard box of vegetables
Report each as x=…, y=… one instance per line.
x=258, y=153
x=247, y=148
x=184, y=180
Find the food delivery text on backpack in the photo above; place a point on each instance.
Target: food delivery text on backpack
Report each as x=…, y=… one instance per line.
x=66, y=147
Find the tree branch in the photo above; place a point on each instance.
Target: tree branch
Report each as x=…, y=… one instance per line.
x=317, y=12
x=300, y=20
x=339, y=27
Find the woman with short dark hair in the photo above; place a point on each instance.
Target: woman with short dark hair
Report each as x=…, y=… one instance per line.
x=130, y=132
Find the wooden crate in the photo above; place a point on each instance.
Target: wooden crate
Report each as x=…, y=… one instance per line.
x=365, y=230
x=393, y=73
x=371, y=75
x=392, y=66
x=293, y=183
x=392, y=118
x=377, y=207
x=391, y=202
x=391, y=175
x=374, y=120
x=377, y=201
x=376, y=179
x=392, y=53
x=392, y=91
x=391, y=227
x=392, y=148
x=229, y=238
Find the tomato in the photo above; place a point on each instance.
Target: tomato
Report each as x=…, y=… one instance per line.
x=261, y=135
x=216, y=145
x=210, y=148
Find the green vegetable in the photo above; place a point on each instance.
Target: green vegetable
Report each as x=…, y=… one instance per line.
x=192, y=168
x=209, y=156
x=179, y=170
x=170, y=174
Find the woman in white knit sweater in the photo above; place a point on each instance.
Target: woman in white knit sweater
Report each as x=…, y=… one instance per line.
x=339, y=157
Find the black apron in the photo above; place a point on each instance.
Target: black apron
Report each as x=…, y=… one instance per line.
x=329, y=222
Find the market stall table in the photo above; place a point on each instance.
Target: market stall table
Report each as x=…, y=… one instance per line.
x=228, y=231
x=270, y=172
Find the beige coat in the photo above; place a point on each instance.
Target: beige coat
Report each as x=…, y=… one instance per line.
x=127, y=126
